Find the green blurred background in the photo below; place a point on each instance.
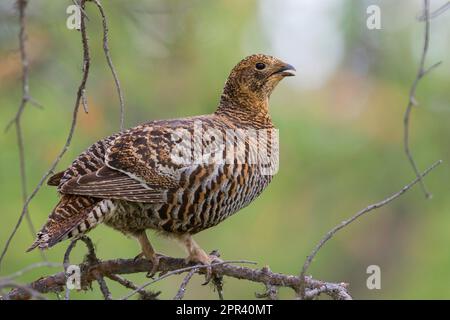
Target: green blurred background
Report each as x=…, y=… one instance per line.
x=340, y=124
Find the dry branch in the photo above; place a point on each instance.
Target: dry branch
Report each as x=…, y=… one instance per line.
x=184, y=283
x=144, y=295
x=57, y=282
x=412, y=101
x=436, y=12
x=364, y=211
x=110, y=63
x=26, y=98
x=80, y=99
x=81, y=88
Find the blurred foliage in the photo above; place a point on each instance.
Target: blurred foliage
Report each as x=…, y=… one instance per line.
x=341, y=142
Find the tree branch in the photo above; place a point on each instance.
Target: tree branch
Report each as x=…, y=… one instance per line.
x=112, y=268
x=110, y=63
x=436, y=12
x=345, y=223
x=81, y=88
x=182, y=290
x=421, y=72
x=17, y=120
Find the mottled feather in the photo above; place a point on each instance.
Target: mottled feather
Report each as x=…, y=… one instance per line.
x=131, y=181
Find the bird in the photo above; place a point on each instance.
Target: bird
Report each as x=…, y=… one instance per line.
x=175, y=176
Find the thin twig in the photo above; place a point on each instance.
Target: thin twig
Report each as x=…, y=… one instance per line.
x=30, y=291
x=92, y=262
x=345, y=223
x=436, y=12
x=182, y=289
x=412, y=97
x=32, y=267
x=17, y=120
x=86, y=64
x=110, y=63
x=103, y=287
x=66, y=264
x=145, y=295
x=181, y=270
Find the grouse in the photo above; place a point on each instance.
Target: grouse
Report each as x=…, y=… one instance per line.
x=178, y=176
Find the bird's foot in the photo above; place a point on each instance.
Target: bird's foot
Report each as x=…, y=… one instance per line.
x=154, y=259
x=139, y=256
x=199, y=256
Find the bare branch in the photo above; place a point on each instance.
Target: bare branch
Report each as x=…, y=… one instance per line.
x=31, y=267
x=345, y=223
x=92, y=260
x=436, y=12
x=103, y=286
x=145, y=295
x=17, y=120
x=412, y=101
x=182, y=290
x=57, y=282
x=197, y=267
x=81, y=88
x=110, y=63
x=30, y=292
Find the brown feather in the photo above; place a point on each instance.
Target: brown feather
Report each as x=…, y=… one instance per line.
x=55, y=179
x=111, y=184
x=68, y=213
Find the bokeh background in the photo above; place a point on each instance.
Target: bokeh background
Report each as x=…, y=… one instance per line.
x=340, y=124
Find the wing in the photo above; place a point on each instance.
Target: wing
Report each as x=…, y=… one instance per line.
x=108, y=183
x=145, y=154
x=134, y=165
x=55, y=179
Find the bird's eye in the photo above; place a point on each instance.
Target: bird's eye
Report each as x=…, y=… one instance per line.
x=260, y=66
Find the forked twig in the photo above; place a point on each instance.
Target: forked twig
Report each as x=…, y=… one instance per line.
x=421, y=72
x=81, y=88
x=17, y=120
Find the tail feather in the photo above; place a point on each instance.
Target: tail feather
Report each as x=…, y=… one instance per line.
x=73, y=216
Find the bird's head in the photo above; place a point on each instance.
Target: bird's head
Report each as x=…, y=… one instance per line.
x=253, y=79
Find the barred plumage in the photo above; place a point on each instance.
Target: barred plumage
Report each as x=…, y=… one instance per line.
x=153, y=176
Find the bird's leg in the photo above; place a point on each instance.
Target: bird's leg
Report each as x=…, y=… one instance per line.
x=197, y=254
x=148, y=252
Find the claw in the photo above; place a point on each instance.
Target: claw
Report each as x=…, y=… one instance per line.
x=208, y=275
x=139, y=256
x=155, y=264
x=149, y=253
x=155, y=260
x=198, y=255
x=209, y=270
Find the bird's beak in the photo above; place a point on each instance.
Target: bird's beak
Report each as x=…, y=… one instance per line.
x=286, y=70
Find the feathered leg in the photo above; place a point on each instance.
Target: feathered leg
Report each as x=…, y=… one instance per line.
x=195, y=252
x=197, y=255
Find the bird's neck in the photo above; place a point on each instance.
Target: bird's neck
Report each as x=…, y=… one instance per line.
x=246, y=111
